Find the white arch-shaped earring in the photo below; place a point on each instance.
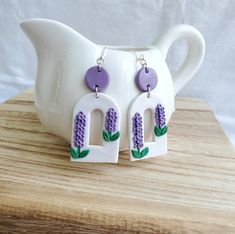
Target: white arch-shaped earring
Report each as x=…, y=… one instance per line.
x=138, y=148
x=81, y=151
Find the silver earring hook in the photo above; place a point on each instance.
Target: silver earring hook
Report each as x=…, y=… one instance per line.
x=100, y=60
x=142, y=61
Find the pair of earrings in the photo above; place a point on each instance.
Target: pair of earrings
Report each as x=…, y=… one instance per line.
x=97, y=80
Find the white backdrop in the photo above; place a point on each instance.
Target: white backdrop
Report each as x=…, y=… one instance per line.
x=133, y=22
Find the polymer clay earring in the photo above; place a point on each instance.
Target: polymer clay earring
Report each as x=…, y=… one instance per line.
x=146, y=80
x=97, y=80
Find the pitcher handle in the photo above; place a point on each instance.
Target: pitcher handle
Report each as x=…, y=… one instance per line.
x=195, y=54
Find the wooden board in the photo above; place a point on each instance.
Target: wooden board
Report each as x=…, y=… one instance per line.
x=190, y=190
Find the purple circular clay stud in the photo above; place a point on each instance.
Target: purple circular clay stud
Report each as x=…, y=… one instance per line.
x=96, y=77
x=146, y=77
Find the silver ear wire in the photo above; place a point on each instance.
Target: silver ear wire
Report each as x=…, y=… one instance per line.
x=143, y=63
x=141, y=60
x=100, y=60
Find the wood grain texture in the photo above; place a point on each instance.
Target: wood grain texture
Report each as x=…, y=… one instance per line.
x=190, y=190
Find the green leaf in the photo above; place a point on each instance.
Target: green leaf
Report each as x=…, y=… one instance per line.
x=83, y=154
x=115, y=136
x=73, y=153
x=157, y=131
x=135, y=154
x=106, y=136
x=144, y=152
x=164, y=130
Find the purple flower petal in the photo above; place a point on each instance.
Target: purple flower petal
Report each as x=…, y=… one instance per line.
x=160, y=119
x=110, y=120
x=137, y=131
x=79, y=129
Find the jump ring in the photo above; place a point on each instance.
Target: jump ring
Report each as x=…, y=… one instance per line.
x=149, y=94
x=96, y=91
x=100, y=61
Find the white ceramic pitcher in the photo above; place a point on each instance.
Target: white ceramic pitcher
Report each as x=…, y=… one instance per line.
x=64, y=56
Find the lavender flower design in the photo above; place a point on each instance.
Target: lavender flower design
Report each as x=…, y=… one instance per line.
x=138, y=143
x=78, y=136
x=79, y=129
x=161, y=128
x=110, y=133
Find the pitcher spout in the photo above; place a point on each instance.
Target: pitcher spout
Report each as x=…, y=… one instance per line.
x=50, y=34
